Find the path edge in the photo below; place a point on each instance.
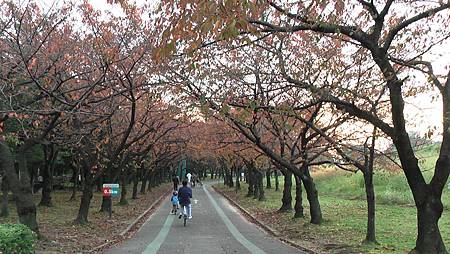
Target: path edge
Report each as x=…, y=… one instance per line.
x=269, y=230
x=122, y=234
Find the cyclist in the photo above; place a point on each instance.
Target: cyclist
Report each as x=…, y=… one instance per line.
x=184, y=197
x=174, y=201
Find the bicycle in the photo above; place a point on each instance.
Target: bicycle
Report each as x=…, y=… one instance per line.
x=184, y=215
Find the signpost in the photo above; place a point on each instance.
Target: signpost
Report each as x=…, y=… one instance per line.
x=111, y=190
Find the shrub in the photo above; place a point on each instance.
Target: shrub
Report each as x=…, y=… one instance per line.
x=16, y=238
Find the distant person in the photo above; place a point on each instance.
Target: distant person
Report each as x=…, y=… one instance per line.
x=198, y=180
x=184, y=198
x=194, y=179
x=189, y=176
x=176, y=181
x=175, y=202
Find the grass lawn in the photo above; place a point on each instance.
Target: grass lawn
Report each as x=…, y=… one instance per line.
x=60, y=235
x=342, y=199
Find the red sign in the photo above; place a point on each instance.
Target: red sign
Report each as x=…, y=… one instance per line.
x=111, y=190
x=106, y=192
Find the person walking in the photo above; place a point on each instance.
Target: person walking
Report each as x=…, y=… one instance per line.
x=189, y=176
x=176, y=181
x=194, y=179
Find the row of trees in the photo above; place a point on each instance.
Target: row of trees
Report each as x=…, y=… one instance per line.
x=90, y=101
x=260, y=85
x=82, y=96
x=300, y=80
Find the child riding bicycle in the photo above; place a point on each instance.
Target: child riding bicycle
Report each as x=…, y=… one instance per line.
x=174, y=201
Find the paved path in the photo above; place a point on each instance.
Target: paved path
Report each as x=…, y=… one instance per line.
x=216, y=227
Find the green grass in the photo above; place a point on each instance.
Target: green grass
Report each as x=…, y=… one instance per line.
x=342, y=199
x=390, y=188
x=396, y=214
x=345, y=221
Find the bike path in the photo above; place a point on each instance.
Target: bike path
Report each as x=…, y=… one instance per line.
x=216, y=227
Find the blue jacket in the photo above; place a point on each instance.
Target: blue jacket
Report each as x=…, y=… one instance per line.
x=184, y=195
x=174, y=200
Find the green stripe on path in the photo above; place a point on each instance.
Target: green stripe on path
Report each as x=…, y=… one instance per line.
x=234, y=231
x=154, y=246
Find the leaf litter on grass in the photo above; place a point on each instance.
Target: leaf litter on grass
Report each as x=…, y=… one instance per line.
x=60, y=235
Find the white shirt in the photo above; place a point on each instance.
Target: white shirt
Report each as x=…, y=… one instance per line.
x=189, y=176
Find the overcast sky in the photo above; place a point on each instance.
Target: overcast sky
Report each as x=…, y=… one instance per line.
x=421, y=111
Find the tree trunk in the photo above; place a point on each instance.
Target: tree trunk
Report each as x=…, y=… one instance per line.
x=221, y=173
x=231, y=178
x=46, y=199
x=158, y=178
x=144, y=181
x=27, y=209
x=226, y=179
x=287, y=196
x=135, y=186
x=255, y=181
x=50, y=154
x=277, y=182
x=162, y=177
x=99, y=184
x=370, y=193
x=268, y=182
x=298, y=207
x=370, y=196
x=86, y=196
x=427, y=197
x=123, y=192
x=313, y=197
x=250, y=190
x=76, y=173
x=106, y=205
x=429, y=239
x=261, y=196
x=21, y=189
x=238, y=179
x=150, y=181
x=4, y=211
x=33, y=179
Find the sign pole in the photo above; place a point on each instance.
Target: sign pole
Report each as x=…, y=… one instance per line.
x=111, y=190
